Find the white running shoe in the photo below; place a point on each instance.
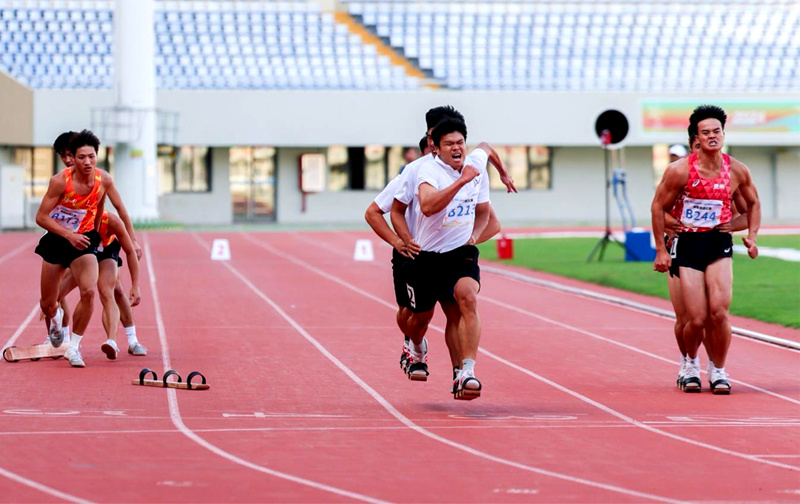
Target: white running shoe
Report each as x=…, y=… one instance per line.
x=718, y=379
x=404, y=355
x=681, y=373
x=691, y=380
x=73, y=355
x=54, y=333
x=467, y=386
x=137, y=349
x=110, y=348
x=418, y=362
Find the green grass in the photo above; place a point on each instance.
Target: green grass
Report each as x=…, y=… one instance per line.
x=765, y=289
x=776, y=241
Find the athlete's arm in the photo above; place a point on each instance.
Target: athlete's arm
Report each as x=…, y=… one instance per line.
x=398, y=218
x=375, y=219
x=116, y=200
x=494, y=158
x=481, y=220
x=432, y=201
x=116, y=227
x=750, y=195
x=55, y=189
x=739, y=220
x=492, y=228
x=666, y=192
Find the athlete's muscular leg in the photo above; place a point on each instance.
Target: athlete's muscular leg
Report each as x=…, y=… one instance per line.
x=417, y=325
x=695, y=303
x=719, y=282
x=124, y=304
x=105, y=285
x=50, y=281
x=453, y=315
x=402, y=316
x=68, y=284
x=84, y=270
x=676, y=296
x=469, y=327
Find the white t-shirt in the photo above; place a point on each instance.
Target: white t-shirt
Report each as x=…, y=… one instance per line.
x=451, y=227
x=397, y=185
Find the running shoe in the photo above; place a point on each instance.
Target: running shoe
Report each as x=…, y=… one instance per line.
x=718, y=379
x=404, y=355
x=110, y=348
x=73, y=355
x=467, y=386
x=418, y=363
x=691, y=380
x=54, y=333
x=455, y=377
x=681, y=373
x=137, y=349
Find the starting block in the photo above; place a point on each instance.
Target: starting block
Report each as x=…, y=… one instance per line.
x=33, y=352
x=155, y=382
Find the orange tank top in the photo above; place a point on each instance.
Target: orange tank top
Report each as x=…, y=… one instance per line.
x=75, y=212
x=105, y=238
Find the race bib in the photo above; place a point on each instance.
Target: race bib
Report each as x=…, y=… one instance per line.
x=68, y=218
x=701, y=213
x=459, y=213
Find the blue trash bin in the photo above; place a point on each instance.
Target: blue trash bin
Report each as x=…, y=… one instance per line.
x=638, y=246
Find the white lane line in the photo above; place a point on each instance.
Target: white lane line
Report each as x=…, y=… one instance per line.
x=537, y=376
x=175, y=415
x=12, y=253
x=16, y=477
x=514, y=308
x=402, y=418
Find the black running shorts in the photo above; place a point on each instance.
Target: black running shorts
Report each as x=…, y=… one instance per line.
x=110, y=252
x=432, y=276
x=674, y=269
x=400, y=264
x=57, y=250
x=698, y=250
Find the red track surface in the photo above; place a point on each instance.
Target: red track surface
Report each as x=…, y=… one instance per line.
x=307, y=402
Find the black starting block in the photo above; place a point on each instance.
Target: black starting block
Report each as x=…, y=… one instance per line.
x=178, y=383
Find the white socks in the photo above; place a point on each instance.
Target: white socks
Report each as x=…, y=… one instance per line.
x=130, y=332
x=421, y=348
x=468, y=365
x=75, y=341
x=65, y=332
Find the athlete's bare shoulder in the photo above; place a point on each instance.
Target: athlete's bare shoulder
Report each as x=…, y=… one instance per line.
x=105, y=178
x=676, y=173
x=59, y=179
x=739, y=171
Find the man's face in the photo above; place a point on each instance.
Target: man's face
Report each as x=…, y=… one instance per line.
x=452, y=149
x=710, y=134
x=410, y=155
x=694, y=145
x=673, y=158
x=67, y=159
x=431, y=147
x=86, y=160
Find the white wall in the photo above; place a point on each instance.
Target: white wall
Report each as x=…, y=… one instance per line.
x=213, y=207
x=788, y=185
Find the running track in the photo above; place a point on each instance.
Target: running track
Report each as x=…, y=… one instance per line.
x=307, y=402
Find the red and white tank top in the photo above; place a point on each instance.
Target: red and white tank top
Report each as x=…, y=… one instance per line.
x=704, y=203
x=75, y=212
x=105, y=238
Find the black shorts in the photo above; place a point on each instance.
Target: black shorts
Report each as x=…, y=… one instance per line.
x=399, y=266
x=674, y=269
x=432, y=276
x=110, y=252
x=698, y=250
x=57, y=250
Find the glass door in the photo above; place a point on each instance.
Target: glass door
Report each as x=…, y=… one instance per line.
x=252, y=179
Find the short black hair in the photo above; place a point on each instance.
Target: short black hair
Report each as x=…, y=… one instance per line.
x=83, y=139
x=423, y=144
x=692, y=132
x=62, y=142
x=704, y=112
x=446, y=126
x=437, y=114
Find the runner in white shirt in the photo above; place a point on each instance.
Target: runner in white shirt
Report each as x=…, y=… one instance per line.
x=453, y=196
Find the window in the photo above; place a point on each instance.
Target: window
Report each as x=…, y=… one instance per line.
x=38, y=164
x=338, y=169
x=374, y=167
x=166, y=176
x=252, y=179
x=192, y=169
x=530, y=167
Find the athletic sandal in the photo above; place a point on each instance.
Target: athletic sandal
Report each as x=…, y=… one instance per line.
x=418, y=363
x=110, y=348
x=467, y=386
x=718, y=379
x=54, y=332
x=691, y=380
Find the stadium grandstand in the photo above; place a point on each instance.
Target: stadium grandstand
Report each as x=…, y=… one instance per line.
x=213, y=112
